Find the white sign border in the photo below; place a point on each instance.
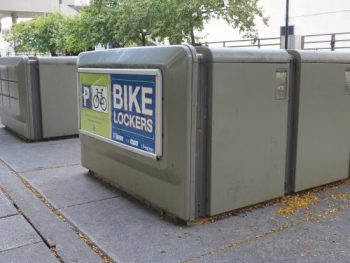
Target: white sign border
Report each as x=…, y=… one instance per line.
x=159, y=87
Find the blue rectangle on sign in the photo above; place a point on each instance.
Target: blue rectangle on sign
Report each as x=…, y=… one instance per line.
x=86, y=94
x=133, y=111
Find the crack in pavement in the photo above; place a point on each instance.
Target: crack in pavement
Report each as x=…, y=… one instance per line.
x=14, y=248
x=90, y=202
x=2, y=190
x=38, y=195
x=48, y=168
x=7, y=216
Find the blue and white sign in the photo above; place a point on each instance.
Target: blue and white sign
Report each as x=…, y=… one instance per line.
x=136, y=110
x=128, y=108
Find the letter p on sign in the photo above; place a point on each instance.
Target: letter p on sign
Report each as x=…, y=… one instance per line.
x=86, y=97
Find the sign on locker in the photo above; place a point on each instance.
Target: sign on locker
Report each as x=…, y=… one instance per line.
x=126, y=103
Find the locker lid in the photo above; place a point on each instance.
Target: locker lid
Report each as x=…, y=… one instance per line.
x=12, y=68
x=245, y=55
x=58, y=60
x=321, y=56
x=13, y=61
x=137, y=56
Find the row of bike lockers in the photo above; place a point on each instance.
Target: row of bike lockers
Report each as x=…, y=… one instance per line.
x=38, y=96
x=202, y=131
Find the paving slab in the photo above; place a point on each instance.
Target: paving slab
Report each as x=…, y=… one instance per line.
x=137, y=234
x=34, y=253
x=157, y=240
x=56, y=232
x=68, y=186
x=322, y=241
x=16, y=232
x=6, y=208
x=8, y=140
x=41, y=155
x=329, y=199
x=22, y=196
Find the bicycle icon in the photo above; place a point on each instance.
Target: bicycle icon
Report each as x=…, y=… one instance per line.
x=99, y=100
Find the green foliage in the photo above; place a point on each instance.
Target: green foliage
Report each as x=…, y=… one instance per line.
x=116, y=23
x=49, y=33
x=76, y=37
x=119, y=23
x=23, y=37
x=41, y=35
x=186, y=17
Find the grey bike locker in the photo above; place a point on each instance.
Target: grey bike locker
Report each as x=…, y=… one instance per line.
x=58, y=93
x=322, y=126
x=19, y=96
x=248, y=117
x=170, y=181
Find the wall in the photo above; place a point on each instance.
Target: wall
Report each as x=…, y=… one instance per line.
x=29, y=6
x=26, y=9
x=308, y=16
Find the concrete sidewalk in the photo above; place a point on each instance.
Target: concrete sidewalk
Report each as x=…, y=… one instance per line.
x=69, y=216
x=19, y=241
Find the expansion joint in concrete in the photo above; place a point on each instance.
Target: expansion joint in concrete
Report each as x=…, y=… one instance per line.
x=39, y=196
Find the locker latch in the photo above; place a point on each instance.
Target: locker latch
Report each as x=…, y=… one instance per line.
x=281, y=89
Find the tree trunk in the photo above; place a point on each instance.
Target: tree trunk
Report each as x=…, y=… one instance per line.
x=193, y=39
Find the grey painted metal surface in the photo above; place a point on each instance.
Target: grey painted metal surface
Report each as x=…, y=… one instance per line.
x=19, y=96
x=169, y=182
x=238, y=155
x=58, y=92
x=322, y=126
x=228, y=55
x=38, y=97
x=248, y=116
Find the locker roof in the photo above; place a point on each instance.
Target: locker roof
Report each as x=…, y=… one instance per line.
x=13, y=61
x=227, y=55
x=164, y=55
x=321, y=56
x=58, y=60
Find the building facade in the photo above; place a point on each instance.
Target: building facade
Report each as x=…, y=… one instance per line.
x=13, y=11
x=308, y=18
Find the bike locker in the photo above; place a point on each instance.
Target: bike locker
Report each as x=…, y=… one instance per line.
x=146, y=141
